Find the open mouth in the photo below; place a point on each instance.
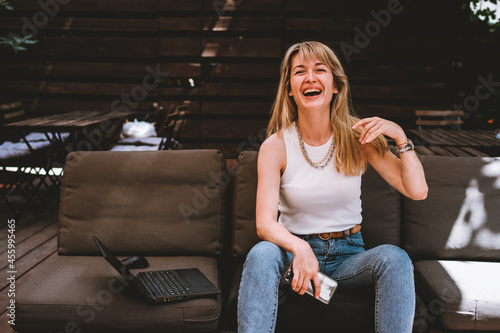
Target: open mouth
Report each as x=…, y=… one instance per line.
x=311, y=92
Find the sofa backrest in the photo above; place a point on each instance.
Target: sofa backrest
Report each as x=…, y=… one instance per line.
x=149, y=203
x=381, y=206
x=460, y=219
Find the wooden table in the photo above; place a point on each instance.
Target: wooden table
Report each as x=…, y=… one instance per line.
x=39, y=173
x=88, y=130
x=466, y=143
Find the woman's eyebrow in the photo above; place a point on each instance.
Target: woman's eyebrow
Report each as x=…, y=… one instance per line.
x=301, y=66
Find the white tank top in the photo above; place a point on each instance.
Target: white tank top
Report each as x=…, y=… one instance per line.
x=316, y=200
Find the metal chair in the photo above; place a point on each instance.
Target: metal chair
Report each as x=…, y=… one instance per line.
x=168, y=131
x=24, y=170
x=171, y=131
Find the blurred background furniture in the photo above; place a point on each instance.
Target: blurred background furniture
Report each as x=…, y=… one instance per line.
x=439, y=133
x=26, y=179
x=32, y=166
x=168, y=130
x=439, y=118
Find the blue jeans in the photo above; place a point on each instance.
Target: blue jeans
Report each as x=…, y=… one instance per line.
x=386, y=268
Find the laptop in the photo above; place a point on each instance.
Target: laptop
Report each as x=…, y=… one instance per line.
x=163, y=286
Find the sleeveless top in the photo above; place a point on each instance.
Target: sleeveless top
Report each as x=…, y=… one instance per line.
x=316, y=200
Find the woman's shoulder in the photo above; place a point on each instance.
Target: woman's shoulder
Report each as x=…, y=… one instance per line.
x=273, y=149
x=274, y=143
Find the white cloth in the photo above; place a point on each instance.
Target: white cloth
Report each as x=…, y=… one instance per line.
x=133, y=148
x=36, y=136
x=36, y=140
x=138, y=129
x=316, y=200
x=18, y=149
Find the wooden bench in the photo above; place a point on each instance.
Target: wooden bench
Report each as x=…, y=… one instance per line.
x=443, y=135
x=439, y=118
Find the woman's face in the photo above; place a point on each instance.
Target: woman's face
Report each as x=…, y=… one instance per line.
x=311, y=84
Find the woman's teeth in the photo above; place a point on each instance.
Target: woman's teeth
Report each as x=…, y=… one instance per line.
x=311, y=92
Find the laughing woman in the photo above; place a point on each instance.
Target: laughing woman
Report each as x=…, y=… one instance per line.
x=309, y=169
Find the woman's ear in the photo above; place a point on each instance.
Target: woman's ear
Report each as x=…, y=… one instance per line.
x=290, y=93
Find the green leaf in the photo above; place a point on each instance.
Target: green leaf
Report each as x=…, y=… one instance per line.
x=5, y=4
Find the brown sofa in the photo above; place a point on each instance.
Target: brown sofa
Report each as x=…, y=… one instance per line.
x=166, y=205
x=173, y=207
x=453, y=238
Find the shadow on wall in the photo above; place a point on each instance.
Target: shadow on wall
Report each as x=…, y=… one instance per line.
x=459, y=219
x=471, y=227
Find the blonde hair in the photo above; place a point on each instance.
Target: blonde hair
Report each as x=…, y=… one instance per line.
x=348, y=157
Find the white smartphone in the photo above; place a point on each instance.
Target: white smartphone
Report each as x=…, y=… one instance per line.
x=328, y=285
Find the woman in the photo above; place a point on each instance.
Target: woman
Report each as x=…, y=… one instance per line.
x=309, y=168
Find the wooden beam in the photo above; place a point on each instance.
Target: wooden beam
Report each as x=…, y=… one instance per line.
x=438, y=122
x=439, y=113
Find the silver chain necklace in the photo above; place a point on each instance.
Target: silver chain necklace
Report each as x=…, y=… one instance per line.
x=317, y=165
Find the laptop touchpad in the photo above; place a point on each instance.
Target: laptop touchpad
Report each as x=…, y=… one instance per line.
x=195, y=278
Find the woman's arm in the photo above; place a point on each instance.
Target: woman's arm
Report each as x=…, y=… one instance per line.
x=271, y=164
x=405, y=174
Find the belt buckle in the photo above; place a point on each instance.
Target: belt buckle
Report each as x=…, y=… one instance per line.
x=325, y=238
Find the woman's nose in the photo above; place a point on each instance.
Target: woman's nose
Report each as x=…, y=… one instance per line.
x=310, y=77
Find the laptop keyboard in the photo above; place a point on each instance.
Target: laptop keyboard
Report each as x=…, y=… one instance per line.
x=166, y=283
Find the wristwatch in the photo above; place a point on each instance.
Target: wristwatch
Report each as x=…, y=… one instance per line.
x=408, y=145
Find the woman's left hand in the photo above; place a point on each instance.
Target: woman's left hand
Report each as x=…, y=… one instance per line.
x=405, y=174
x=374, y=126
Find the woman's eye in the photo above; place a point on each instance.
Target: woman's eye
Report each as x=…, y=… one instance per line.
x=299, y=72
x=321, y=70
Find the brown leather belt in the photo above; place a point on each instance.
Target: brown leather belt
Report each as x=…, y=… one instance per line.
x=337, y=234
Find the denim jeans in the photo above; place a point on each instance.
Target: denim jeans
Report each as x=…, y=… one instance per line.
x=385, y=268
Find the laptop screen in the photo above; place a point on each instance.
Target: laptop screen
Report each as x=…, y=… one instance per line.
x=117, y=264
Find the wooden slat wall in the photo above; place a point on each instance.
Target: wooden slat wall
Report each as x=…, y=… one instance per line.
x=92, y=52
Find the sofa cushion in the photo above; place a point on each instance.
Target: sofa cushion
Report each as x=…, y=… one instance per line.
x=150, y=203
x=244, y=198
x=380, y=203
x=69, y=293
x=458, y=220
x=461, y=295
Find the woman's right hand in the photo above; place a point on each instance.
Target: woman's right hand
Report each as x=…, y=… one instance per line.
x=271, y=164
x=305, y=269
